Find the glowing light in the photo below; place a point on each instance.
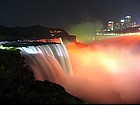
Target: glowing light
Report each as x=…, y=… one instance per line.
x=110, y=64
x=53, y=40
x=105, y=65
x=7, y=48
x=128, y=17
x=122, y=21
x=52, y=34
x=110, y=22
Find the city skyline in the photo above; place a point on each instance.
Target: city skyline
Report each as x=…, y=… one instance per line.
x=127, y=22
x=65, y=13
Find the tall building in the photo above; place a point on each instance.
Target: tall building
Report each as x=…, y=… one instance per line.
x=117, y=26
x=134, y=24
x=128, y=21
x=122, y=24
x=110, y=26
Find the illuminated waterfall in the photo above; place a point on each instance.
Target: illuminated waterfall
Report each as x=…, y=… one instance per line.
x=48, y=61
x=104, y=72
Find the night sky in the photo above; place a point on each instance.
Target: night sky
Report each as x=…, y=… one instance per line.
x=63, y=13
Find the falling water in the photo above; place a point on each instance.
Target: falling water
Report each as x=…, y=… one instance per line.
x=104, y=72
x=48, y=62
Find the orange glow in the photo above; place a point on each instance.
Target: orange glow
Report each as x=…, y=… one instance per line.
x=88, y=56
x=106, y=71
x=52, y=40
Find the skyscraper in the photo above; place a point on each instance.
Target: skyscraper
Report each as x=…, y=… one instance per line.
x=128, y=21
x=122, y=24
x=110, y=26
x=117, y=26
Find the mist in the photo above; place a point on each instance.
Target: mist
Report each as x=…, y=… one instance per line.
x=102, y=72
x=105, y=72
x=84, y=31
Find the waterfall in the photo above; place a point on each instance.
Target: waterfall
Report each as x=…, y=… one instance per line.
x=47, y=61
x=105, y=72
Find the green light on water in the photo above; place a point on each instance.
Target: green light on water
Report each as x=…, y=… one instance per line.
x=6, y=48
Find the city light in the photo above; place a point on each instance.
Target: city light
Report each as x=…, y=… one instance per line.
x=123, y=24
x=122, y=20
x=128, y=17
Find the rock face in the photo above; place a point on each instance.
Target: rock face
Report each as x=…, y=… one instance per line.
x=18, y=85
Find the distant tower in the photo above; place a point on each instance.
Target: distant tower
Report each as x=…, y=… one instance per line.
x=128, y=21
x=117, y=26
x=110, y=26
x=122, y=24
x=134, y=24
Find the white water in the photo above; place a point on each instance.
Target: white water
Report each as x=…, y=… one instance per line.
x=107, y=72
x=48, y=62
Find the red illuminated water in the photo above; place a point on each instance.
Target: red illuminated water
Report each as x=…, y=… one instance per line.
x=104, y=72
x=107, y=71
